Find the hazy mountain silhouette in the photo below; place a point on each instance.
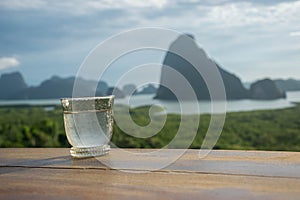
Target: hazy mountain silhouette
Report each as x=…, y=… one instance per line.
x=288, y=84
x=57, y=87
x=13, y=86
x=266, y=89
x=176, y=70
x=116, y=92
x=147, y=89
x=129, y=89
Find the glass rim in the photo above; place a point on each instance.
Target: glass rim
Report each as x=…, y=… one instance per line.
x=87, y=98
x=87, y=103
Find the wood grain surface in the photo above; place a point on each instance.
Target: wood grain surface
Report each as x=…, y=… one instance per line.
x=127, y=174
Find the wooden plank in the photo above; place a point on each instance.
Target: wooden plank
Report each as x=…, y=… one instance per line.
x=256, y=163
x=53, y=174
x=45, y=183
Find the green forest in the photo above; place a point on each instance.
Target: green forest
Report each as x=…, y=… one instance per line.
x=26, y=126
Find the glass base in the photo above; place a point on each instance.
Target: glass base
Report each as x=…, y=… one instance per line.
x=84, y=152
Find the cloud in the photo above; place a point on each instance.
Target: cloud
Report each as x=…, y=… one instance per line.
x=222, y=13
x=295, y=33
x=41, y=31
x=80, y=7
x=7, y=62
x=245, y=13
x=22, y=4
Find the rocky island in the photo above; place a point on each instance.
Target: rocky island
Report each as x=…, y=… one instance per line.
x=234, y=88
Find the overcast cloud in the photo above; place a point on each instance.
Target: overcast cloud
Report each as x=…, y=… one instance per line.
x=253, y=39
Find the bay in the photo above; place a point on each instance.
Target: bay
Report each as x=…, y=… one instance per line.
x=186, y=107
x=202, y=107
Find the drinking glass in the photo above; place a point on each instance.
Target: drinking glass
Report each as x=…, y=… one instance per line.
x=88, y=124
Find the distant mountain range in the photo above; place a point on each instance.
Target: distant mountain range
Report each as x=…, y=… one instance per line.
x=282, y=84
x=287, y=84
x=13, y=86
x=174, y=73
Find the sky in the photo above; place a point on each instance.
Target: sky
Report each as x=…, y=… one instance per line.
x=251, y=39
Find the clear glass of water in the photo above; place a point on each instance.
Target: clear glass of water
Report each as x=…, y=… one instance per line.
x=88, y=124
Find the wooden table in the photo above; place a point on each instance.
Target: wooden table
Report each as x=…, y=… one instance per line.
x=53, y=174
